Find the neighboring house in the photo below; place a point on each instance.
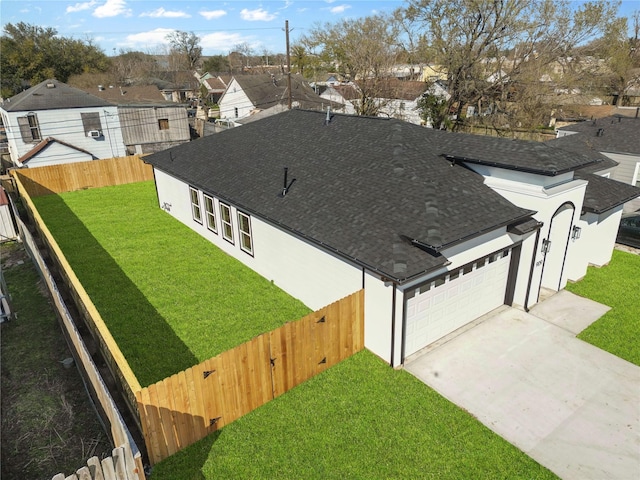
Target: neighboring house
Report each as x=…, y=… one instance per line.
x=215, y=85
x=149, y=123
x=399, y=99
x=342, y=94
x=616, y=137
x=249, y=94
x=53, y=123
x=438, y=228
x=432, y=73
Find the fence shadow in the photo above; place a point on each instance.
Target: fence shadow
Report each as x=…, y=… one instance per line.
x=131, y=319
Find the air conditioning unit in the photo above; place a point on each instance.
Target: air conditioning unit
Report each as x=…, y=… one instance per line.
x=94, y=133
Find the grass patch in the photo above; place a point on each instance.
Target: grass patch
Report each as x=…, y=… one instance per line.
x=48, y=425
x=359, y=419
x=616, y=285
x=170, y=298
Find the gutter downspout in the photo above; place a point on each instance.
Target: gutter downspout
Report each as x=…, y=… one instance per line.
x=393, y=324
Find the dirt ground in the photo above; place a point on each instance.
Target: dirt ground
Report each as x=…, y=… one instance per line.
x=48, y=423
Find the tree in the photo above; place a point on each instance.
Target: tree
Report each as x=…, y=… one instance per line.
x=187, y=47
x=31, y=54
x=216, y=64
x=620, y=54
x=362, y=50
x=133, y=67
x=245, y=52
x=480, y=39
x=433, y=110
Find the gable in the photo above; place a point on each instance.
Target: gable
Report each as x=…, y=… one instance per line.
x=51, y=151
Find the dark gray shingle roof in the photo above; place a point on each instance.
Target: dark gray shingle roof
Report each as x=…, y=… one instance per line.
x=577, y=144
x=375, y=190
x=522, y=155
x=604, y=194
x=52, y=95
x=618, y=134
x=265, y=91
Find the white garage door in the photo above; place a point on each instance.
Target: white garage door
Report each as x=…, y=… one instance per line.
x=451, y=301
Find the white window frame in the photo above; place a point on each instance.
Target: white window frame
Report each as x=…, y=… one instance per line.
x=196, y=209
x=226, y=224
x=245, y=233
x=210, y=213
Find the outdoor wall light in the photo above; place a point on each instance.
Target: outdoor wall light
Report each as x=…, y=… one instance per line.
x=546, y=246
x=575, y=232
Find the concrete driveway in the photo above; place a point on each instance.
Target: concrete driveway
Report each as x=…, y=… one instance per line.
x=569, y=405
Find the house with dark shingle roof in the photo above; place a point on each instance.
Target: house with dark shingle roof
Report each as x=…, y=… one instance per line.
x=617, y=138
x=438, y=228
x=53, y=123
x=249, y=94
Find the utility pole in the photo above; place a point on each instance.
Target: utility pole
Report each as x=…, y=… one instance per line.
x=286, y=29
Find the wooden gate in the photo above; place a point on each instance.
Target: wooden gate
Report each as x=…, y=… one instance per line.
x=186, y=407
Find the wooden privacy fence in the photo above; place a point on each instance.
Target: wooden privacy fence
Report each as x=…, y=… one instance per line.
x=114, y=358
x=110, y=468
x=82, y=175
x=129, y=457
x=186, y=407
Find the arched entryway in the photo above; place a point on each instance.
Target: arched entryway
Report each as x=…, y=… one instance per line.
x=555, y=245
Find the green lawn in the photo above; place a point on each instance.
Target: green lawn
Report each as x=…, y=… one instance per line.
x=618, y=286
x=360, y=419
x=170, y=298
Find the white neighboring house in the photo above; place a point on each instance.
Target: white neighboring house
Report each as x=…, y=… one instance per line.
x=249, y=94
x=438, y=228
x=617, y=138
x=53, y=123
x=342, y=94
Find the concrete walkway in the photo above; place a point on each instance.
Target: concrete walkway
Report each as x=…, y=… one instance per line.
x=569, y=405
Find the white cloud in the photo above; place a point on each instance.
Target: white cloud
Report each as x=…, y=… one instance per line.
x=112, y=8
x=152, y=38
x=258, y=14
x=162, y=13
x=339, y=8
x=78, y=7
x=213, y=14
x=222, y=41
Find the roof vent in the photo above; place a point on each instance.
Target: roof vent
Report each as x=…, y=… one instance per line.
x=51, y=85
x=600, y=132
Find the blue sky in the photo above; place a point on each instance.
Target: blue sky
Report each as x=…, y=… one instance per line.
x=142, y=25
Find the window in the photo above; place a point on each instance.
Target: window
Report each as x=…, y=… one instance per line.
x=244, y=226
x=210, y=215
x=195, y=205
x=91, y=123
x=225, y=218
x=29, y=129
x=163, y=124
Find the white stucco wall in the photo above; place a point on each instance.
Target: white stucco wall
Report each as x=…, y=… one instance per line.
x=597, y=231
x=314, y=276
x=66, y=125
x=378, y=303
x=545, y=195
